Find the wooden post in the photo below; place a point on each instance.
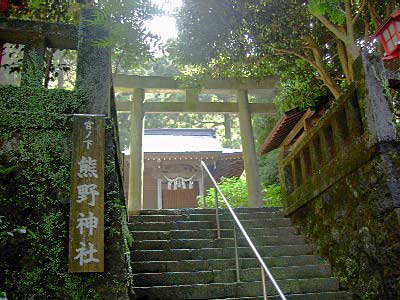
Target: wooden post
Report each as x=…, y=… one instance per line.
x=249, y=151
x=135, y=196
x=86, y=225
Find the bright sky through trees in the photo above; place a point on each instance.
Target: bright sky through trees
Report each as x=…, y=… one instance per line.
x=165, y=25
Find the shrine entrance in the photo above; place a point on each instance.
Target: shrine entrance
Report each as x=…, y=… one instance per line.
x=179, y=198
x=138, y=86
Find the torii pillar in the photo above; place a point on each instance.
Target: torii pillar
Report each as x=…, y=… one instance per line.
x=249, y=151
x=135, y=193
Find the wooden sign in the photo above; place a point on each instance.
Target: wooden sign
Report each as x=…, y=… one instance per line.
x=86, y=222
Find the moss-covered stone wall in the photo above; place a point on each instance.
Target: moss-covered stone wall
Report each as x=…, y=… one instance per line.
x=346, y=198
x=35, y=164
x=350, y=224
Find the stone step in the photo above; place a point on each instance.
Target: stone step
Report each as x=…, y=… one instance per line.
x=236, y=290
x=204, y=217
x=229, y=275
x=221, y=264
x=209, y=233
x=209, y=211
x=307, y=296
x=220, y=243
x=194, y=225
x=210, y=253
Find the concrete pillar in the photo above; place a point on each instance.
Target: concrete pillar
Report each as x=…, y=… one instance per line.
x=249, y=151
x=135, y=195
x=93, y=72
x=370, y=83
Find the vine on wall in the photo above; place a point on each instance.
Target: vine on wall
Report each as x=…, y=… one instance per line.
x=34, y=191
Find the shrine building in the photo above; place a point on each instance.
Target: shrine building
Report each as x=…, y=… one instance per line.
x=172, y=175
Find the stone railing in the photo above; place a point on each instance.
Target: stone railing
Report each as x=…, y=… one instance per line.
x=328, y=152
x=341, y=141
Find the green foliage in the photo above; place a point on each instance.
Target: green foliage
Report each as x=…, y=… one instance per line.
x=235, y=191
x=35, y=157
x=231, y=38
x=268, y=163
x=332, y=8
x=268, y=168
x=129, y=39
x=46, y=10
x=124, y=20
x=34, y=230
x=297, y=87
x=303, y=42
x=55, y=11
x=272, y=195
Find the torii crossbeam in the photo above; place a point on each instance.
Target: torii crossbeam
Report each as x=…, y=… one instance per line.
x=139, y=85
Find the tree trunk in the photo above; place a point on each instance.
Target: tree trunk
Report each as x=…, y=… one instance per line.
x=353, y=51
x=350, y=66
x=49, y=60
x=317, y=63
x=344, y=60
x=322, y=70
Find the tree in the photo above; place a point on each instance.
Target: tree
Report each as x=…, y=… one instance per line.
x=233, y=34
x=252, y=32
x=129, y=39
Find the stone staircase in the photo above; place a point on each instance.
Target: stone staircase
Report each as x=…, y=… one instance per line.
x=176, y=256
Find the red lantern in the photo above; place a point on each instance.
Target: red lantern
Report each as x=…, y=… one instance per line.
x=3, y=5
x=389, y=35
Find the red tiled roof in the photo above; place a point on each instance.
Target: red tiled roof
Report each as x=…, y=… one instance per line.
x=228, y=168
x=281, y=130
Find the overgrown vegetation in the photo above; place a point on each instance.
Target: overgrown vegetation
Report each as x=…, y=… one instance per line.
x=34, y=195
x=131, y=42
x=235, y=191
x=311, y=45
x=35, y=158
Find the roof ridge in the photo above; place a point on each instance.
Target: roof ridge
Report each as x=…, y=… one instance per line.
x=181, y=131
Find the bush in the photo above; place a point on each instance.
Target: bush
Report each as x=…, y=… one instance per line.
x=272, y=195
x=235, y=191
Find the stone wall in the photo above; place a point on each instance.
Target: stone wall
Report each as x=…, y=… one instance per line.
x=342, y=186
x=35, y=167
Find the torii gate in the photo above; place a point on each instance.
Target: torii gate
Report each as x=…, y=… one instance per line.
x=38, y=35
x=139, y=85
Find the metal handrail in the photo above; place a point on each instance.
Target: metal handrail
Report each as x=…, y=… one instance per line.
x=264, y=267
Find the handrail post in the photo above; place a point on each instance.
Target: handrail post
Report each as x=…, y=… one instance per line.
x=236, y=253
x=245, y=235
x=202, y=189
x=264, y=283
x=217, y=214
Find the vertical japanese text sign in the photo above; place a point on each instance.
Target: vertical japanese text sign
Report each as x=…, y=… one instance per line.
x=86, y=223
